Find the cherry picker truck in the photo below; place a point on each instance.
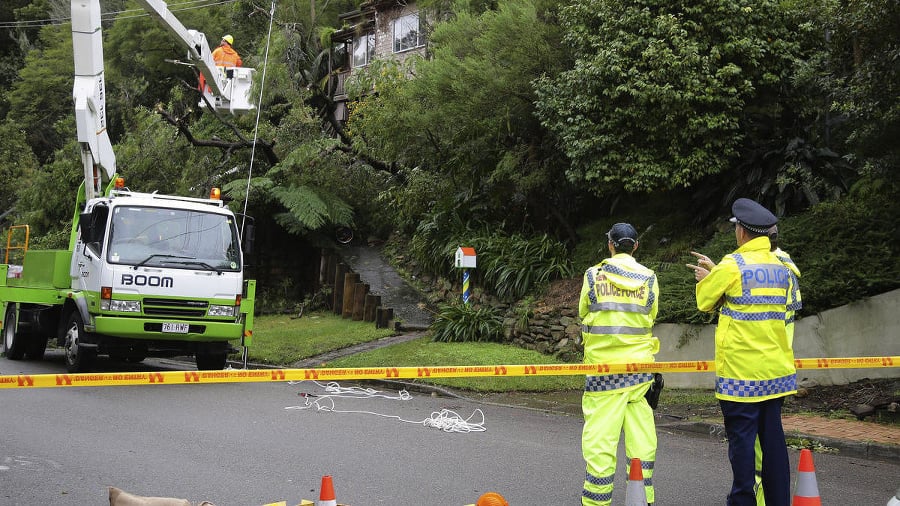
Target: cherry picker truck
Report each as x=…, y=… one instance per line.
x=144, y=274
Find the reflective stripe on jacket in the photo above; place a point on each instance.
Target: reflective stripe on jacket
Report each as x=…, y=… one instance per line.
x=754, y=358
x=618, y=305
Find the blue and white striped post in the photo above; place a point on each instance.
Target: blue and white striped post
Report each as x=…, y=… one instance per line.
x=465, y=286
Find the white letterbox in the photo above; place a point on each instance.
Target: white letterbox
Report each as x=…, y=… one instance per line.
x=465, y=257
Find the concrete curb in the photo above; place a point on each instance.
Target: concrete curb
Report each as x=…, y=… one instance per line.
x=858, y=449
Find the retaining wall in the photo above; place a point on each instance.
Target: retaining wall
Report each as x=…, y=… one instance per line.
x=869, y=327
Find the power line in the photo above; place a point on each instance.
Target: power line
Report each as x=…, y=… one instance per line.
x=125, y=14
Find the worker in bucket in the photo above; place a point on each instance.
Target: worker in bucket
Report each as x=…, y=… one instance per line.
x=225, y=55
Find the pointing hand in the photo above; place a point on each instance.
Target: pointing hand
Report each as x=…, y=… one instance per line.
x=703, y=261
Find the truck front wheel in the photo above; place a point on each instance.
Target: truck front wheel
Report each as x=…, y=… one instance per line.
x=78, y=358
x=13, y=344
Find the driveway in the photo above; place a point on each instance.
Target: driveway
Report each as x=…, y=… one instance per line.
x=383, y=280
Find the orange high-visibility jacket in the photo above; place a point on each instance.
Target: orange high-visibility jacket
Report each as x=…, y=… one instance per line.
x=226, y=56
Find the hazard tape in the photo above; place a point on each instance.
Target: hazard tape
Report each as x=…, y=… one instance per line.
x=363, y=373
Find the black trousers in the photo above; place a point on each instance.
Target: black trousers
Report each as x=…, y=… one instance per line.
x=744, y=421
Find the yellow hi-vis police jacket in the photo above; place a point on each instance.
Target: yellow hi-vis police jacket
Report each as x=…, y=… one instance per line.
x=754, y=358
x=618, y=305
x=795, y=301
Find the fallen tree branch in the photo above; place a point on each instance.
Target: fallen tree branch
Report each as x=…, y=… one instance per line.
x=227, y=146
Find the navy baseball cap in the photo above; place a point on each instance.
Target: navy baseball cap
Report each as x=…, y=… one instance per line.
x=752, y=216
x=620, y=232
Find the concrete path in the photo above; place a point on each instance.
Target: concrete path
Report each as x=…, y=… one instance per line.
x=383, y=280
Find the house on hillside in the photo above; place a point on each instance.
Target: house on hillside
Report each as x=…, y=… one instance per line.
x=378, y=30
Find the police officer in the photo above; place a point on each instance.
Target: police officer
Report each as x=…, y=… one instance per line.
x=618, y=305
x=794, y=304
x=754, y=359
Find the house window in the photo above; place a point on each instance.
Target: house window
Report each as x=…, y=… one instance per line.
x=363, y=49
x=408, y=32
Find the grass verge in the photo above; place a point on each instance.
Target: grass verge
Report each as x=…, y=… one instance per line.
x=424, y=352
x=283, y=339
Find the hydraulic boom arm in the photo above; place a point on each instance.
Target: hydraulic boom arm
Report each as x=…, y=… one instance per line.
x=229, y=88
x=89, y=93
x=198, y=48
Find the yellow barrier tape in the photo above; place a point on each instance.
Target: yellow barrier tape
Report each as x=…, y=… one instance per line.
x=362, y=373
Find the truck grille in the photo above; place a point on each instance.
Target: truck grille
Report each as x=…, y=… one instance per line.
x=176, y=308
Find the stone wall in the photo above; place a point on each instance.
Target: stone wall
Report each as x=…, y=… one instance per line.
x=557, y=333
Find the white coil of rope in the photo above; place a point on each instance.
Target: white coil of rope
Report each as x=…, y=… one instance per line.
x=445, y=419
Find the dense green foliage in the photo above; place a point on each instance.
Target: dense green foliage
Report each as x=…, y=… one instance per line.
x=846, y=249
x=509, y=265
x=41, y=96
x=466, y=123
x=861, y=75
x=659, y=91
x=19, y=165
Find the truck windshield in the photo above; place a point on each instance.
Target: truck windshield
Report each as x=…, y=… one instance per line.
x=174, y=238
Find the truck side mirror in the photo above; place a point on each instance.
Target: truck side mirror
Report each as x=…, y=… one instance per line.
x=249, y=237
x=86, y=222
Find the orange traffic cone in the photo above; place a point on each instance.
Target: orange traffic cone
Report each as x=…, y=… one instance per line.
x=491, y=499
x=807, y=491
x=326, y=496
x=634, y=491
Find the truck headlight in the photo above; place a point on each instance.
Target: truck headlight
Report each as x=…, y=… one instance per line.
x=215, y=310
x=125, y=306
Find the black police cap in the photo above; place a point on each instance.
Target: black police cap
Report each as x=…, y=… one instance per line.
x=620, y=232
x=752, y=216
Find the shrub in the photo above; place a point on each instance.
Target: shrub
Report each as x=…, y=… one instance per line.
x=846, y=250
x=509, y=266
x=514, y=266
x=458, y=322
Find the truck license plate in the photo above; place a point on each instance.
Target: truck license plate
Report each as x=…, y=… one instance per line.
x=175, y=328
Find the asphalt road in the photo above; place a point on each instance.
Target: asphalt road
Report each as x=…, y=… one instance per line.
x=237, y=444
